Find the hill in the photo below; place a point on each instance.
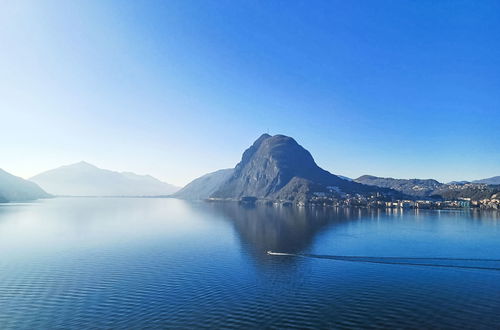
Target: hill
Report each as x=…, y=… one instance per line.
x=204, y=186
x=13, y=188
x=410, y=187
x=432, y=189
x=492, y=181
x=84, y=179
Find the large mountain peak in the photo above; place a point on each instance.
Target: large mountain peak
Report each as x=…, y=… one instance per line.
x=278, y=167
x=278, y=153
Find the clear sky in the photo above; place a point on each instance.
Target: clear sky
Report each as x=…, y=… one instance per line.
x=177, y=89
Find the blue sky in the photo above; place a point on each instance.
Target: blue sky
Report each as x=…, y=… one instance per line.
x=177, y=89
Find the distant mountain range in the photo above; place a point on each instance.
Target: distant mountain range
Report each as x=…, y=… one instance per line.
x=411, y=187
x=429, y=188
x=494, y=180
x=278, y=168
x=13, y=189
x=273, y=168
x=475, y=191
x=84, y=179
x=491, y=181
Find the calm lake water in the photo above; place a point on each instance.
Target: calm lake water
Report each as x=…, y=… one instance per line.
x=165, y=263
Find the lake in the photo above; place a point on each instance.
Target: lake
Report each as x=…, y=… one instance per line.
x=165, y=263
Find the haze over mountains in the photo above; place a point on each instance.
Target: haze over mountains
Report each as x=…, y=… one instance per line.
x=273, y=168
x=492, y=180
x=13, y=189
x=84, y=179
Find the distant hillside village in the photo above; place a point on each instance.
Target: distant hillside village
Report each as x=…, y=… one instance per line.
x=379, y=202
x=441, y=196
x=374, y=201
x=464, y=196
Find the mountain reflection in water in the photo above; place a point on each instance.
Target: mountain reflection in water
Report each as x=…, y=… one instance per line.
x=281, y=228
x=78, y=263
x=292, y=230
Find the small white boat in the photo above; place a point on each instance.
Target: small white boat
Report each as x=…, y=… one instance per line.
x=278, y=253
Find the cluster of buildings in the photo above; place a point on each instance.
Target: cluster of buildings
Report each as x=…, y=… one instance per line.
x=489, y=203
x=378, y=202
x=375, y=201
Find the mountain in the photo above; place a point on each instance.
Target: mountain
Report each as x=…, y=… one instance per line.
x=13, y=188
x=475, y=191
x=278, y=168
x=411, y=187
x=84, y=179
x=204, y=186
x=458, y=182
x=493, y=180
x=432, y=189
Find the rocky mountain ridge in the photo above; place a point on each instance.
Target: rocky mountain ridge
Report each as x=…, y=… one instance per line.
x=278, y=168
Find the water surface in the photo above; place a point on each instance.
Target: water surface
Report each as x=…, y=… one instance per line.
x=166, y=263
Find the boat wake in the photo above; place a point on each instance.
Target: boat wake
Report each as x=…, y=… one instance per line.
x=444, y=262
